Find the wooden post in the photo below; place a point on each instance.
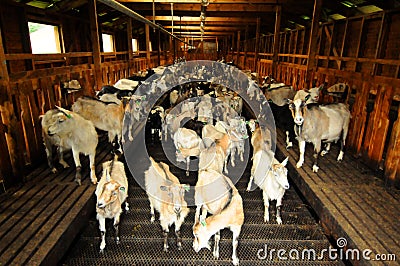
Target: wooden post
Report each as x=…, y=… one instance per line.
x=94, y=32
x=147, y=31
x=312, y=48
x=159, y=47
x=233, y=46
x=381, y=40
x=246, y=36
x=238, y=48
x=3, y=63
x=256, y=49
x=129, y=34
x=276, y=40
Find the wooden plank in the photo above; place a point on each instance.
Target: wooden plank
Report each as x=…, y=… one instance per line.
x=392, y=161
x=378, y=125
x=359, y=117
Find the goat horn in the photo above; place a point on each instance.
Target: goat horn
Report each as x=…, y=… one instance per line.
x=64, y=111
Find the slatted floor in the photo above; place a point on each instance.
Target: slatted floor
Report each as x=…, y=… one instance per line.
x=142, y=242
x=42, y=217
x=351, y=201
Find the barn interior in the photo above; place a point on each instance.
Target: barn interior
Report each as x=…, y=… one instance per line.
x=47, y=219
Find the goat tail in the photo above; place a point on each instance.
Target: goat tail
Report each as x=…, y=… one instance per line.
x=234, y=189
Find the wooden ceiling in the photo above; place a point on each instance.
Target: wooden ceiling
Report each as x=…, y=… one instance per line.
x=223, y=17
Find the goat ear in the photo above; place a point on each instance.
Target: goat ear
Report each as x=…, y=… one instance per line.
x=285, y=161
x=41, y=116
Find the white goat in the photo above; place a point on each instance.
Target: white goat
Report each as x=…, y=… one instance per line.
x=71, y=131
x=328, y=123
x=111, y=193
x=260, y=140
x=166, y=195
x=271, y=177
x=105, y=116
x=228, y=215
x=187, y=143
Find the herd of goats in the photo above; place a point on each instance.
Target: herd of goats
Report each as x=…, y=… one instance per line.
x=203, y=119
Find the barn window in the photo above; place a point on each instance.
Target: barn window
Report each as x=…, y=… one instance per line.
x=135, y=46
x=45, y=39
x=108, y=43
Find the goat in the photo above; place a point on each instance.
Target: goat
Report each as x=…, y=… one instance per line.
x=69, y=130
x=111, y=193
x=187, y=143
x=105, y=116
x=166, y=195
x=317, y=124
x=50, y=141
x=229, y=216
x=261, y=140
x=271, y=177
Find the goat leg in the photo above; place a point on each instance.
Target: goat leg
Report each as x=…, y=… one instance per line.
x=236, y=231
x=278, y=214
x=165, y=233
x=102, y=227
x=78, y=175
x=216, y=245
x=178, y=239
x=317, y=149
x=249, y=184
x=116, y=227
x=266, y=207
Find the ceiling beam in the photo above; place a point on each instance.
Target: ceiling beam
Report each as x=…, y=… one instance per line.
x=209, y=28
x=265, y=2
x=210, y=8
x=208, y=19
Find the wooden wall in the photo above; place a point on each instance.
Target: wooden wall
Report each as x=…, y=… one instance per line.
x=30, y=84
x=361, y=51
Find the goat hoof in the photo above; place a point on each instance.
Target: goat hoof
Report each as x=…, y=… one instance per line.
x=79, y=182
x=279, y=220
x=299, y=164
x=101, y=251
x=315, y=168
x=53, y=170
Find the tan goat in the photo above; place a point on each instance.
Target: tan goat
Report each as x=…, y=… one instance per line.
x=111, y=193
x=227, y=215
x=166, y=195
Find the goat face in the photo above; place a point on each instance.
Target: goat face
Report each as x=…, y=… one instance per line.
x=201, y=237
x=280, y=174
x=109, y=194
x=297, y=107
x=176, y=195
x=57, y=123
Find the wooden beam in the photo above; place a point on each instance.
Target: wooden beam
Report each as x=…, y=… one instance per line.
x=238, y=47
x=129, y=35
x=212, y=2
x=197, y=19
x=312, y=48
x=207, y=28
x=147, y=32
x=257, y=44
x=3, y=63
x=278, y=12
x=94, y=33
x=238, y=8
